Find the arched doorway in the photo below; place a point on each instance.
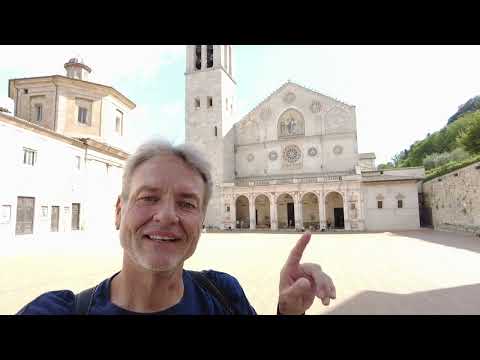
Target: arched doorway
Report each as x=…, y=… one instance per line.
x=262, y=212
x=311, y=218
x=285, y=212
x=334, y=211
x=243, y=213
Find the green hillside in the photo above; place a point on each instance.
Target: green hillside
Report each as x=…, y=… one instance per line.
x=456, y=143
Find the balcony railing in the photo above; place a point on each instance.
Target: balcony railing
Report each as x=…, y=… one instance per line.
x=291, y=180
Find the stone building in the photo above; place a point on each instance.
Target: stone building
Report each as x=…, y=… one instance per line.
x=453, y=199
x=61, y=153
x=292, y=161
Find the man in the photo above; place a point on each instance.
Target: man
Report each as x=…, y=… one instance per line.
x=160, y=213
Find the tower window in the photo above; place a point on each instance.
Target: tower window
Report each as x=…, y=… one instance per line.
x=197, y=103
x=119, y=122
x=228, y=208
x=400, y=204
x=380, y=204
x=226, y=104
x=209, y=56
x=209, y=101
x=198, y=57
x=215, y=131
x=38, y=112
x=82, y=115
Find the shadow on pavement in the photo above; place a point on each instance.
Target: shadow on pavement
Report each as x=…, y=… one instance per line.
x=464, y=300
x=457, y=240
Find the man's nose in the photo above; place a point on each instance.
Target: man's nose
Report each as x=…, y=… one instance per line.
x=165, y=213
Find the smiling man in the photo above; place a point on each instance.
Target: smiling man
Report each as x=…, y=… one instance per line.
x=165, y=193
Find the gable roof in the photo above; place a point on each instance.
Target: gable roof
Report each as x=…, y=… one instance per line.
x=109, y=89
x=279, y=90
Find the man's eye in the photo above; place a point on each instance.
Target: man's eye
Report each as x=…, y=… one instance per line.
x=148, y=199
x=187, y=205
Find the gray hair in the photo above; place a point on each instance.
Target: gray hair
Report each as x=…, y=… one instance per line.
x=156, y=147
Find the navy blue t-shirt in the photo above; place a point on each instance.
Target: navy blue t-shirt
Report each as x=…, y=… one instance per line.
x=195, y=300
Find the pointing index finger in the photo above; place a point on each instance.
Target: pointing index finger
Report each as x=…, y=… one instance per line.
x=297, y=251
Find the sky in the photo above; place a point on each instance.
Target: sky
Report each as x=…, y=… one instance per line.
x=401, y=93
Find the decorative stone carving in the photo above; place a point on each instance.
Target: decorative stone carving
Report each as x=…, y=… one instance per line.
x=272, y=155
x=289, y=98
x=292, y=154
x=337, y=149
x=312, y=151
x=250, y=157
x=291, y=123
x=315, y=106
x=337, y=118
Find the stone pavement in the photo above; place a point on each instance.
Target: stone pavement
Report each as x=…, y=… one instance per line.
x=409, y=272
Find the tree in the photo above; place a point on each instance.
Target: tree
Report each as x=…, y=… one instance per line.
x=388, y=165
x=470, y=139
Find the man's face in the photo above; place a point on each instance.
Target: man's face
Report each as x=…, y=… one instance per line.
x=161, y=221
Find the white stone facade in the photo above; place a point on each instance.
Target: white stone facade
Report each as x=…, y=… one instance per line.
x=55, y=164
x=298, y=148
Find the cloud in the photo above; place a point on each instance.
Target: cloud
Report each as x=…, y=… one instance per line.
x=109, y=63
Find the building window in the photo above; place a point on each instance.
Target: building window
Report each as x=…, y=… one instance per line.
x=78, y=161
x=44, y=211
x=198, y=57
x=380, y=204
x=38, y=112
x=82, y=115
x=209, y=101
x=197, y=103
x=25, y=91
x=228, y=208
x=119, y=122
x=6, y=214
x=400, y=204
x=209, y=56
x=226, y=104
x=29, y=156
x=215, y=131
x=75, y=216
x=352, y=206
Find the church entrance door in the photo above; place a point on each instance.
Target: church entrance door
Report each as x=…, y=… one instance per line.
x=338, y=215
x=291, y=215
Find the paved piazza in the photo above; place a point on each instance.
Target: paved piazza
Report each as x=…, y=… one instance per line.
x=409, y=272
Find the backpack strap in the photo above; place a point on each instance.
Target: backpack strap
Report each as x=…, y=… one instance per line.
x=84, y=301
x=201, y=279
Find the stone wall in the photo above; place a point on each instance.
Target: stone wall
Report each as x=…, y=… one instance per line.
x=455, y=199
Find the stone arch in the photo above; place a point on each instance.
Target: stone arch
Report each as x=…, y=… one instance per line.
x=310, y=211
x=242, y=211
x=334, y=210
x=285, y=211
x=291, y=122
x=262, y=211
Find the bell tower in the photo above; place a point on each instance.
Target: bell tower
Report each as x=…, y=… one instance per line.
x=209, y=108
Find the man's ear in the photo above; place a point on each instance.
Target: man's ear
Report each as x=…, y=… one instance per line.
x=118, y=211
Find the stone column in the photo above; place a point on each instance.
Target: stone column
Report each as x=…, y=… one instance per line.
x=346, y=218
x=273, y=212
x=298, y=211
x=233, y=212
x=251, y=203
x=321, y=210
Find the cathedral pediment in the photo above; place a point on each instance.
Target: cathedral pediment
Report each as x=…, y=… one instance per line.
x=293, y=95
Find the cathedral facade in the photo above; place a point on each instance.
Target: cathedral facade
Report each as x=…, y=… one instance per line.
x=292, y=162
